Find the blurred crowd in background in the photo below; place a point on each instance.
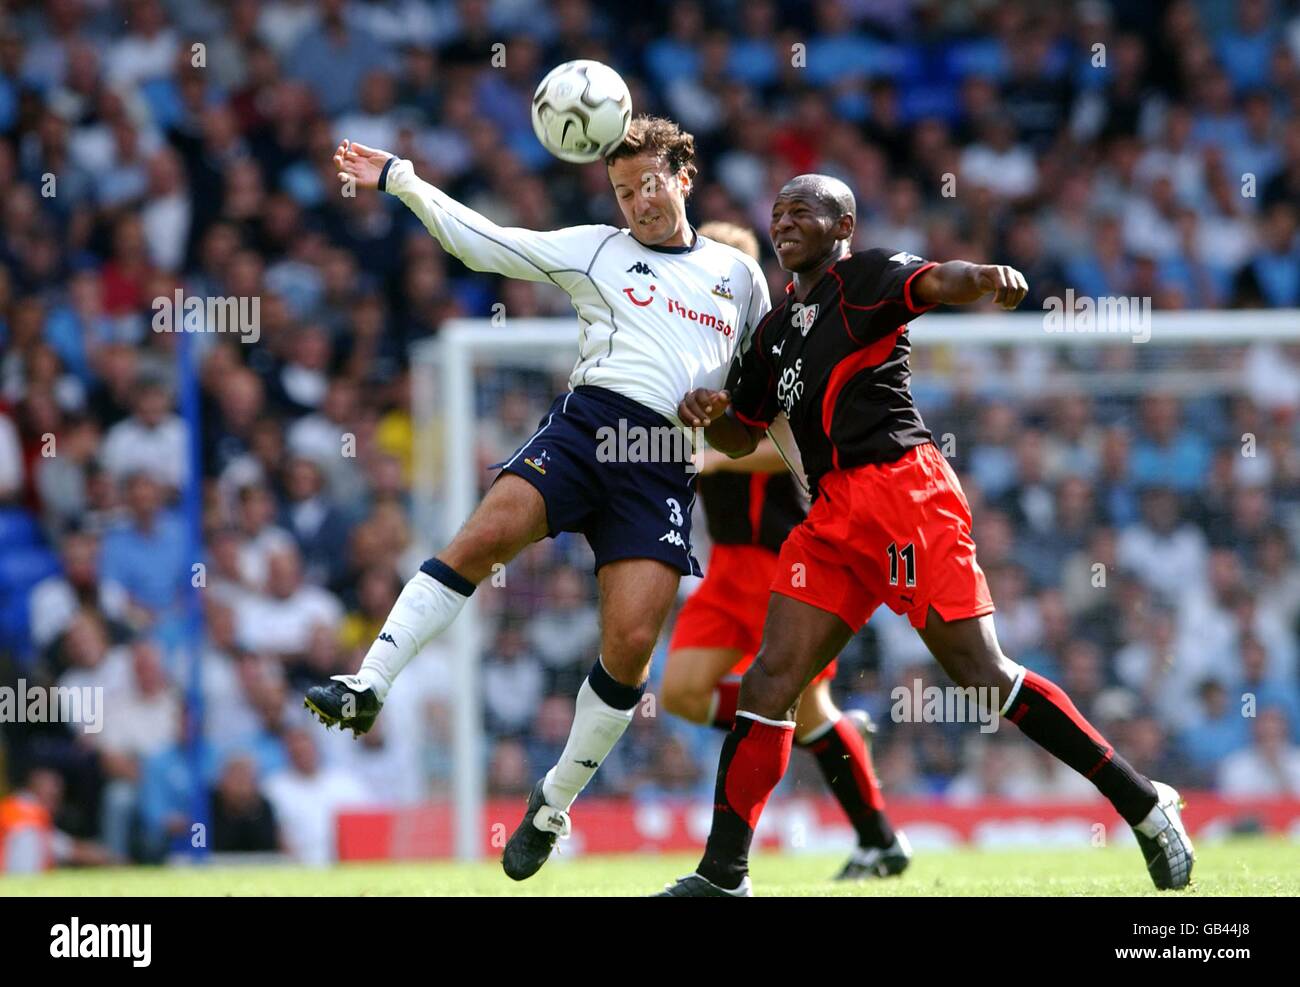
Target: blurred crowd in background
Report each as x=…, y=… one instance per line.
x=1140, y=540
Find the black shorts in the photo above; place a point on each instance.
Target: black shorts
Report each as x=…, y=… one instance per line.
x=617, y=472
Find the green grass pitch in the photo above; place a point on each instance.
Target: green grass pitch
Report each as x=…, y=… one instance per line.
x=1248, y=867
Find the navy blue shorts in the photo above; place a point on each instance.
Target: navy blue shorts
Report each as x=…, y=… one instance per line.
x=621, y=474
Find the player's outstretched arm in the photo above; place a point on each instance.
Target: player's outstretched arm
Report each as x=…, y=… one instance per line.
x=960, y=282
x=764, y=459
x=480, y=244
x=706, y=409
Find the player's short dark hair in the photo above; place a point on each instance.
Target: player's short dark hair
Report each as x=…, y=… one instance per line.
x=658, y=135
x=829, y=193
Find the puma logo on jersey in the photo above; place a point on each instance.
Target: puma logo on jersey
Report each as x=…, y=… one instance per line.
x=388, y=638
x=903, y=257
x=641, y=267
x=776, y=350
x=803, y=316
x=673, y=538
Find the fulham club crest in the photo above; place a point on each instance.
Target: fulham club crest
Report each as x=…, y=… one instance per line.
x=803, y=316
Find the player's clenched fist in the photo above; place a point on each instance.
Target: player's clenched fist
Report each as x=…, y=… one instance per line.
x=701, y=407
x=360, y=164
x=1007, y=285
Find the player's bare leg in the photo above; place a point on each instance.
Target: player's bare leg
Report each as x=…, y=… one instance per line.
x=798, y=641
x=698, y=687
x=969, y=652
x=635, y=596
x=511, y=516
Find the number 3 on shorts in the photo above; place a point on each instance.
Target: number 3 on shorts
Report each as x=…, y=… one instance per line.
x=675, y=512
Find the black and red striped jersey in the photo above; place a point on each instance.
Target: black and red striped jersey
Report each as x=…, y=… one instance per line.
x=750, y=508
x=837, y=365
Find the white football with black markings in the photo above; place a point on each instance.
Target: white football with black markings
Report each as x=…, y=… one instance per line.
x=581, y=111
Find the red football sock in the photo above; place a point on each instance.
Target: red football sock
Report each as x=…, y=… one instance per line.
x=845, y=761
x=724, y=710
x=753, y=760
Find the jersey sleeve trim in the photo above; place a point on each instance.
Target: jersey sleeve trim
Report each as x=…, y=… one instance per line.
x=751, y=422
x=907, y=290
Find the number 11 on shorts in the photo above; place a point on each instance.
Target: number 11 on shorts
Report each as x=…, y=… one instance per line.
x=908, y=555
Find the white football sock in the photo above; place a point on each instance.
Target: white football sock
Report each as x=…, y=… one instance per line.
x=424, y=610
x=596, y=729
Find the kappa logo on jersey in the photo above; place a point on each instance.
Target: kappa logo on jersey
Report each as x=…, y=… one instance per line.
x=539, y=461
x=641, y=267
x=903, y=257
x=803, y=316
x=789, y=388
x=673, y=538
x=723, y=289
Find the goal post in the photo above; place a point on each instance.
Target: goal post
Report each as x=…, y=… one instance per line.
x=445, y=483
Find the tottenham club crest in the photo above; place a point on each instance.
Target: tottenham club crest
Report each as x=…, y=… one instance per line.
x=723, y=289
x=539, y=461
x=803, y=316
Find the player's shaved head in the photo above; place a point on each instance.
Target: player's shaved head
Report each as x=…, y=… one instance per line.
x=812, y=223
x=830, y=193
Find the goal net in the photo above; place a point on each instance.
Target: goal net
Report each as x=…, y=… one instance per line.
x=479, y=388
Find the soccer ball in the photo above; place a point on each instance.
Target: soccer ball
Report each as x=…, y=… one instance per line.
x=581, y=111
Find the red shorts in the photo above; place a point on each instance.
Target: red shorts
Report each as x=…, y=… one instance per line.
x=897, y=534
x=728, y=609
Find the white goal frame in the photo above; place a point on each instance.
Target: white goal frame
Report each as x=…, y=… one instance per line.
x=442, y=382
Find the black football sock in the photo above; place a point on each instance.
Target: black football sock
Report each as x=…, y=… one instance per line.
x=1046, y=716
x=845, y=761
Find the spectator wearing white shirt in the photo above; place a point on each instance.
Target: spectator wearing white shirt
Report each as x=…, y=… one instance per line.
x=142, y=718
x=167, y=213
x=1269, y=768
x=998, y=163
x=11, y=461
x=91, y=662
x=281, y=619
x=152, y=439
x=260, y=537
x=322, y=435
x=307, y=798
x=149, y=51
x=1215, y=624
x=1165, y=553
x=56, y=599
x=566, y=631
x=513, y=683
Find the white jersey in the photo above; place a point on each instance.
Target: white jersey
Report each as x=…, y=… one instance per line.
x=656, y=322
